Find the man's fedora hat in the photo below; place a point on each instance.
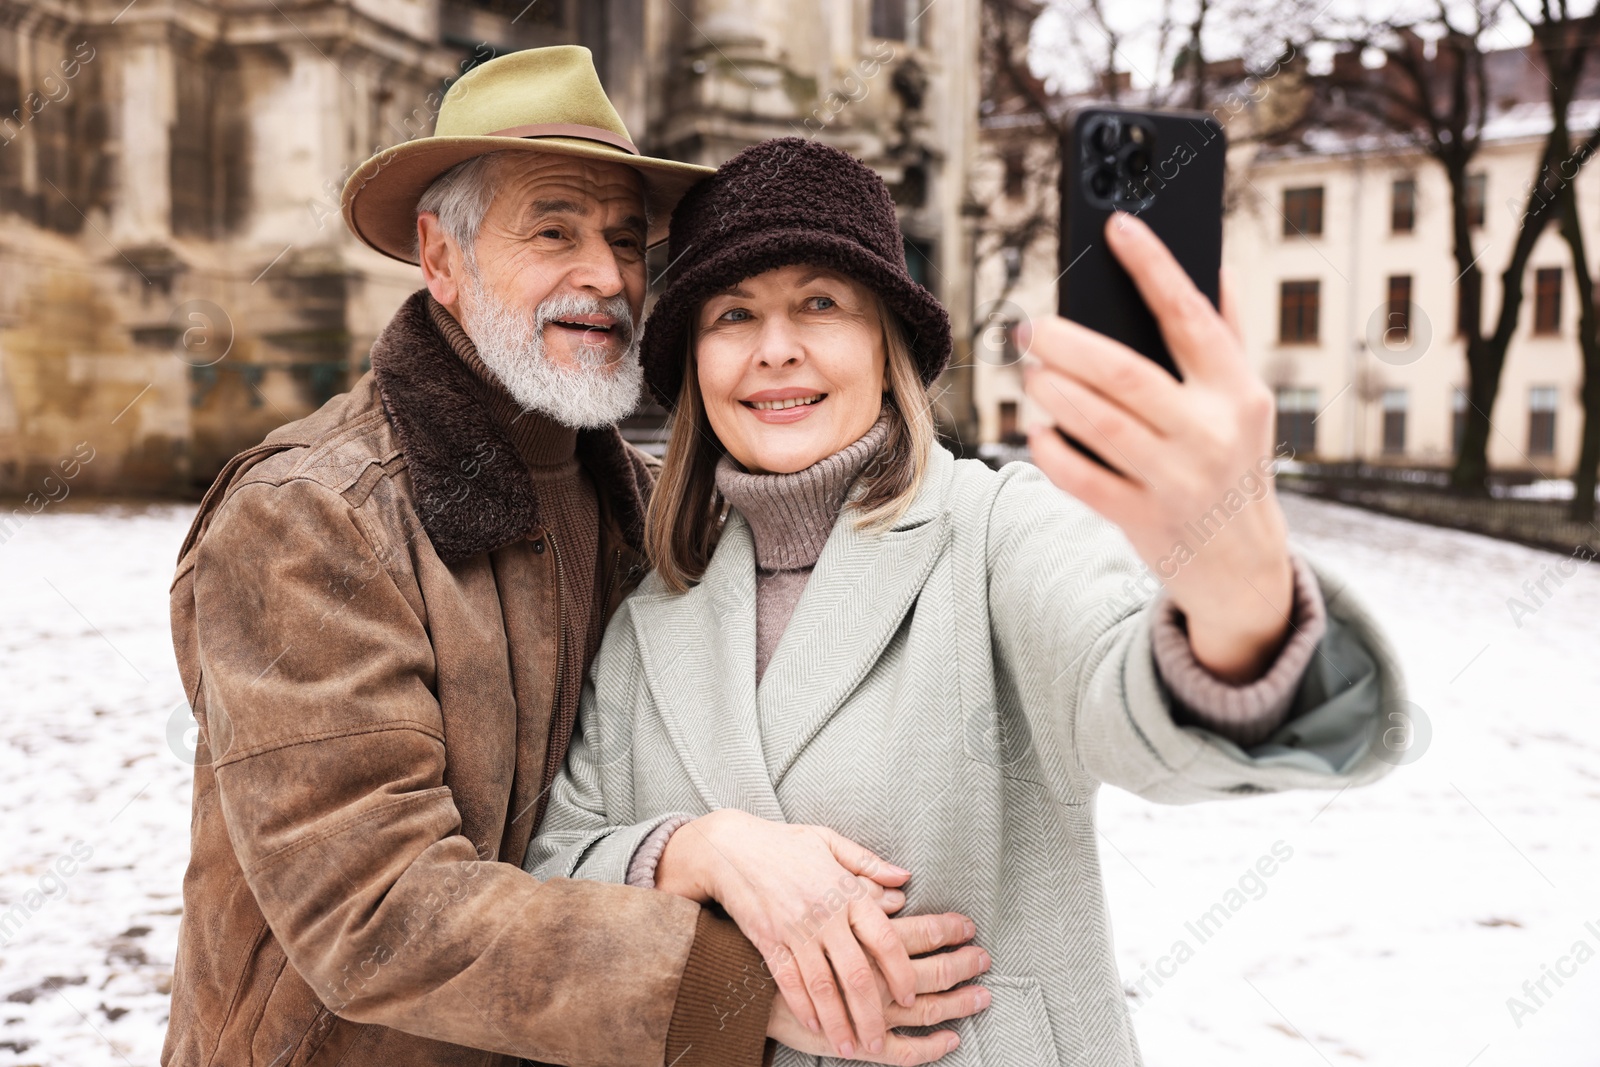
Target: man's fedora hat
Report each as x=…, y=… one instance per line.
x=538, y=100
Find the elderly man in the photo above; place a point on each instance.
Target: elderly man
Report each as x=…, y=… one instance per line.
x=383, y=615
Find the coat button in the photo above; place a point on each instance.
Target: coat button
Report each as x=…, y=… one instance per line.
x=538, y=545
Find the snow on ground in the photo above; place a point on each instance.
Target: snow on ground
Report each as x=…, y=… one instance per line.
x=1403, y=918
x=1410, y=910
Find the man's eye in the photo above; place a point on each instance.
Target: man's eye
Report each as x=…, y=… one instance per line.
x=552, y=233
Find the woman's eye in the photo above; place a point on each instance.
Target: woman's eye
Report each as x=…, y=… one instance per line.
x=823, y=303
x=734, y=315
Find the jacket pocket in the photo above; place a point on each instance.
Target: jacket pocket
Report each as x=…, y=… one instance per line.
x=1014, y=1031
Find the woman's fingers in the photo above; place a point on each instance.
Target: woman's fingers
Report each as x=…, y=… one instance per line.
x=889, y=901
x=857, y=860
x=817, y=975
x=871, y=928
x=785, y=971
x=1118, y=435
x=1227, y=299
x=922, y=934
x=934, y=1008
x=860, y=988
x=1200, y=342
x=946, y=970
x=1110, y=367
x=1107, y=493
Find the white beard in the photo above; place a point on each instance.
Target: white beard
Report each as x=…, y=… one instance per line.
x=511, y=344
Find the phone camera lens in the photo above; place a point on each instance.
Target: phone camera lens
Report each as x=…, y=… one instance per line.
x=1101, y=182
x=1104, y=137
x=1137, y=163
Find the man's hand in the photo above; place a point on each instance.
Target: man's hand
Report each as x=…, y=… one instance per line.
x=813, y=904
x=1187, y=455
x=936, y=1002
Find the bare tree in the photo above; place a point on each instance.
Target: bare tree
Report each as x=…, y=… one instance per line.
x=1432, y=90
x=1013, y=94
x=1565, y=42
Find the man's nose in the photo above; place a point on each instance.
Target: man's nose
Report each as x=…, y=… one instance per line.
x=597, y=269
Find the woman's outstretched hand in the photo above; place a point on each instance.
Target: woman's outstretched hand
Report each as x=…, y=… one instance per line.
x=814, y=905
x=1192, y=486
x=937, y=1001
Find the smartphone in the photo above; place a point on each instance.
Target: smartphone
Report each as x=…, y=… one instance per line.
x=1167, y=168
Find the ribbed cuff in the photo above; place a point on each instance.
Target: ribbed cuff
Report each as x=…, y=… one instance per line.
x=1244, y=714
x=724, y=1000
x=642, y=868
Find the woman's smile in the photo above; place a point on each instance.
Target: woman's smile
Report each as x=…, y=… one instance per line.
x=777, y=406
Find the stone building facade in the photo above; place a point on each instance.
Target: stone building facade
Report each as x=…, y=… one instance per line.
x=175, y=279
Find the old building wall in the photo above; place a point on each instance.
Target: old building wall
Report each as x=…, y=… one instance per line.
x=175, y=279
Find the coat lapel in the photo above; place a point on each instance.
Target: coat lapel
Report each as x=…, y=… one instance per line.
x=699, y=656
x=859, y=591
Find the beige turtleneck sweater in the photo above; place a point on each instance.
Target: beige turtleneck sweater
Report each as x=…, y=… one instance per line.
x=790, y=517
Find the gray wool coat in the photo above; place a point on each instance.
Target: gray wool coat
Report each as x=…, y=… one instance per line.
x=951, y=694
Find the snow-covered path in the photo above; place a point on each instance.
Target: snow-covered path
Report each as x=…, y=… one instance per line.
x=1395, y=923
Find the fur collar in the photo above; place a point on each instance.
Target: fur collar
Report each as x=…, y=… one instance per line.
x=473, y=493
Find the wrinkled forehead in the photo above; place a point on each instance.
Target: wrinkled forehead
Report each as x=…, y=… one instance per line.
x=526, y=180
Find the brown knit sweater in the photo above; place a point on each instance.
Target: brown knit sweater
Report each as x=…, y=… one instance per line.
x=568, y=509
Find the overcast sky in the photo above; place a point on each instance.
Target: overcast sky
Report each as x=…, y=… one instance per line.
x=1068, y=46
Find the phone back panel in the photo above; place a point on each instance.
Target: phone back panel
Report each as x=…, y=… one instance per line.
x=1179, y=195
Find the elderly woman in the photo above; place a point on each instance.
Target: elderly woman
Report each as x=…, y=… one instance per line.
x=848, y=627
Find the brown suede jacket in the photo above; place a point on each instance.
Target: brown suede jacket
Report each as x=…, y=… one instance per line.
x=366, y=625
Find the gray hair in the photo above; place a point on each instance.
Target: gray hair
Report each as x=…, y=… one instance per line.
x=460, y=197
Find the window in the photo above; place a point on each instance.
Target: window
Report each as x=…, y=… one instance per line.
x=1403, y=206
x=1302, y=211
x=1547, y=300
x=1477, y=198
x=1394, y=421
x=1297, y=420
x=1541, y=420
x=1298, y=304
x=1469, y=302
x=1016, y=172
x=1458, y=418
x=889, y=19
x=919, y=263
x=1397, y=328
x=1010, y=423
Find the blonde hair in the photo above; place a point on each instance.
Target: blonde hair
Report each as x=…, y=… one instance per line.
x=684, y=518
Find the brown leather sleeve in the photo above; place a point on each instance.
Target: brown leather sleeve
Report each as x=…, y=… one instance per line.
x=724, y=999
x=330, y=765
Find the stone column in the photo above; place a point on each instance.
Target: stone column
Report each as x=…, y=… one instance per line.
x=145, y=107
